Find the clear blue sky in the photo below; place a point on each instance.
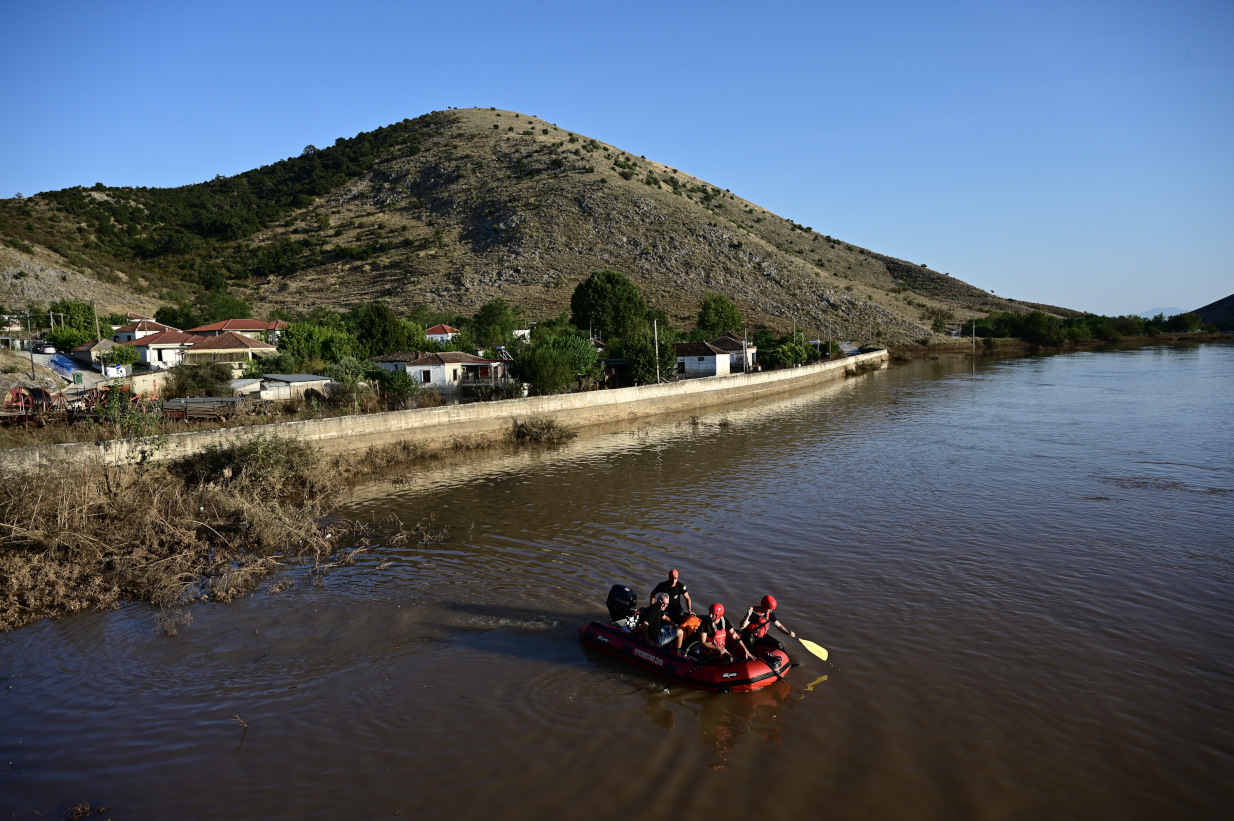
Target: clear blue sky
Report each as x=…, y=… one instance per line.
x=1076, y=153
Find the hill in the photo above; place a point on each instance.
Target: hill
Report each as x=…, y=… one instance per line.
x=454, y=208
x=1219, y=313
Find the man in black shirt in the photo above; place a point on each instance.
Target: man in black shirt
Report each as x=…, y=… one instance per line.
x=679, y=605
x=656, y=628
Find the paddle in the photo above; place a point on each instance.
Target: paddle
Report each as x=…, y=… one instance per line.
x=821, y=652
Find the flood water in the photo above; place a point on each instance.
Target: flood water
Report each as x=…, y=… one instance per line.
x=1024, y=574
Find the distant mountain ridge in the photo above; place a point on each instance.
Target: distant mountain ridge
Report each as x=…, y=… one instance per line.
x=458, y=207
x=1166, y=312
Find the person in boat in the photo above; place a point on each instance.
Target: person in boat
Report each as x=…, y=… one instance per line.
x=758, y=621
x=716, y=635
x=656, y=628
x=679, y=606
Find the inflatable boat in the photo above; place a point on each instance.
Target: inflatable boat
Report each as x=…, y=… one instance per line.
x=618, y=638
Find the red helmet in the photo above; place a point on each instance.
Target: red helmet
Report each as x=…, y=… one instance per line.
x=769, y=603
x=717, y=610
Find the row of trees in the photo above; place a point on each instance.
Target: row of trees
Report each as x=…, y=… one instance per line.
x=1044, y=329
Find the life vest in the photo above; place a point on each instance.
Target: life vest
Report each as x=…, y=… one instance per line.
x=759, y=624
x=689, y=624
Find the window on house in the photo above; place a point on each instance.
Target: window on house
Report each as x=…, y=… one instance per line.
x=700, y=359
x=426, y=377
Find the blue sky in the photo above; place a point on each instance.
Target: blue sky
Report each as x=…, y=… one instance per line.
x=1077, y=153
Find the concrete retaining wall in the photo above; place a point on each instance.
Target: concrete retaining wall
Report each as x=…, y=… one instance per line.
x=446, y=423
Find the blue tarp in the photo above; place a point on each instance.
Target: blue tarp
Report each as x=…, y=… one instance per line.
x=63, y=366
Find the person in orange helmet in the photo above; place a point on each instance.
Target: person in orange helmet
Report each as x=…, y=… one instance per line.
x=758, y=621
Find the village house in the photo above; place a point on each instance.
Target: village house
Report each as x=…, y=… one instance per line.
x=252, y=328
x=696, y=359
x=442, y=334
x=231, y=348
x=88, y=353
x=165, y=350
x=742, y=356
x=449, y=372
x=138, y=329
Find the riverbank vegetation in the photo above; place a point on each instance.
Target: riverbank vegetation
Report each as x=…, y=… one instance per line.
x=208, y=528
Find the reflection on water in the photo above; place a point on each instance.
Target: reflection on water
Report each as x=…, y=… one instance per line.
x=1022, y=573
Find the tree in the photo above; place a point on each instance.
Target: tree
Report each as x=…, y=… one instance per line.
x=609, y=303
x=716, y=314
x=182, y=316
x=120, y=355
x=304, y=341
x=494, y=324
x=557, y=364
x=66, y=338
x=207, y=379
x=641, y=353
x=377, y=328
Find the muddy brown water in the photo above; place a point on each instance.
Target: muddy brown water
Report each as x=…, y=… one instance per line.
x=1024, y=574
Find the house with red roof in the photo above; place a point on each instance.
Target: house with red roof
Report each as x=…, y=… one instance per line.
x=138, y=329
x=231, y=348
x=165, y=350
x=448, y=372
x=252, y=328
x=441, y=333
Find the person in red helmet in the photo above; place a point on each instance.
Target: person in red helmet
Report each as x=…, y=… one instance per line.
x=716, y=635
x=758, y=621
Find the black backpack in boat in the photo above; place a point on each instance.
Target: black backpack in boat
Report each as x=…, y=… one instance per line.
x=622, y=603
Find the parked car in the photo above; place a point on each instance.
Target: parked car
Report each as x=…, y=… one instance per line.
x=44, y=347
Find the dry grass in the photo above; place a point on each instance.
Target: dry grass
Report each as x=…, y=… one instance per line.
x=539, y=429
x=206, y=529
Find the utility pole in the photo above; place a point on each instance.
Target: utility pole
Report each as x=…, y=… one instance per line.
x=95, y=309
x=655, y=332
x=30, y=342
x=745, y=349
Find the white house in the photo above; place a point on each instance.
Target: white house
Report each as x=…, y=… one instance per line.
x=696, y=359
x=448, y=372
x=441, y=333
x=138, y=329
x=164, y=350
x=739, y=351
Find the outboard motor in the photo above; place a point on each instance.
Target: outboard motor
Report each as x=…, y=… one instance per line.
x=622, y=603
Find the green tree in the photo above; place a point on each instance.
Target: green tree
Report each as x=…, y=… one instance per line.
x=494, y=324
x=557, y=364
x=641, y=353
x=215, y=306
x=377, y=328
x=120, y=355
x=609, y=303
x=304, y=341
x=1185, y=323
x=716, y=314
x=206, y=379
x=66, y=338
x=182, y=316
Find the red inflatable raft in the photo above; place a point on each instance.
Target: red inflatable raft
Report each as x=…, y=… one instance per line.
x=737, y=677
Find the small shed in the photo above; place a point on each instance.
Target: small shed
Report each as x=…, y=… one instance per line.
x=293, y=385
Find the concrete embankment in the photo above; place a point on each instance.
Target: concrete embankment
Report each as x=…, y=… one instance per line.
x=442, y=425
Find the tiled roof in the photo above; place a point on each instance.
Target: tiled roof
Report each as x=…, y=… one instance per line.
x=441, y=329
x=231, y=341
x=420, y=358
x=145, y=326
x=89, y=346
x=698, y=349
x=242, y=325
x=167, y=338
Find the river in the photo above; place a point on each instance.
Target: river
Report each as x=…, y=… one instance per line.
x=1023, y=571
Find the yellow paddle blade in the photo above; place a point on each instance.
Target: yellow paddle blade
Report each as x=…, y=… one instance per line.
x=821, y=652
